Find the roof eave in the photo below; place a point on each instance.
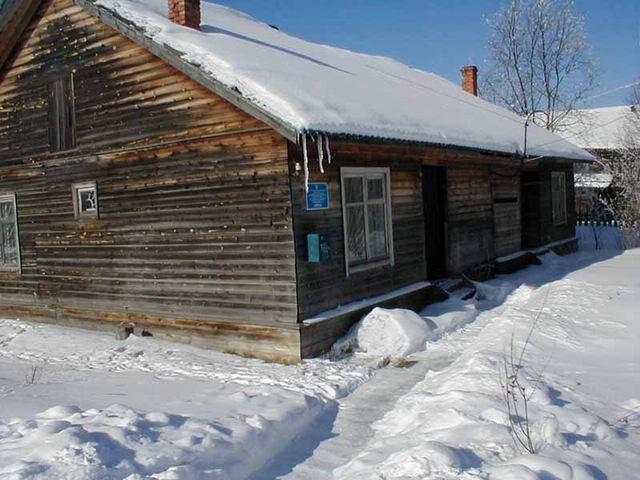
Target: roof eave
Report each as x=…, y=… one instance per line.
x=497, y=153
x=174, y=58
x=233, y=96
x=15, y=16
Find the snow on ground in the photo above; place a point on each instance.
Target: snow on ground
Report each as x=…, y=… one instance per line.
x=82, y=405
x=582, y=368
x=99, y=408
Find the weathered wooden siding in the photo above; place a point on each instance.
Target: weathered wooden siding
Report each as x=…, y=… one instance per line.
x=195, y=227
x=538, y=226
x=469, y=230
x=505, y=191
x=125, y=96
x=471, y=225
x=322, y=286
x=473, y=222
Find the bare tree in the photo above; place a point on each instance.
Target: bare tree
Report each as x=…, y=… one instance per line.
x=625, y=168
x=539, y=61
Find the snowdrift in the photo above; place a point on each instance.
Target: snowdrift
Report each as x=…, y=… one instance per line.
x=389, y=334
x=395, y=334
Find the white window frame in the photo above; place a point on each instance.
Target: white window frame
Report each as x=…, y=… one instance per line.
x=350, y=172
x=77, y=189
x=11, y=197
x=563, y=176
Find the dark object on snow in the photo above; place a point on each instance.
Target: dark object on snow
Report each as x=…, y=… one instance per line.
x=124, y=331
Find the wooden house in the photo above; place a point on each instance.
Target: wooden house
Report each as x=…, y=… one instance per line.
x=208, y=178
x=606, y=133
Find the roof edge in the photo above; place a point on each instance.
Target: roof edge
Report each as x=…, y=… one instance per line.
x=174, y=58
x=397, y=141
x=21, y=13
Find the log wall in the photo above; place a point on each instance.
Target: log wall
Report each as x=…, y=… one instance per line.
x=471, y=224
x=469, y=228
x=482, y=218
x=322, y=286
x=199, y=201
x=194, y=235
x=507, y=221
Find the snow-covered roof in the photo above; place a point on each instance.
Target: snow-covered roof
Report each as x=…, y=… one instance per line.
x=593, y=180
x=317, y=88
x=598, y=128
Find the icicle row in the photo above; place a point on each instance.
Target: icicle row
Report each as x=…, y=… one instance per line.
x=320, y=152
x=324, y=151
x=305, y=154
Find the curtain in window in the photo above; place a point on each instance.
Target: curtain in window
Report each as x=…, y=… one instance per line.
x=356, y=232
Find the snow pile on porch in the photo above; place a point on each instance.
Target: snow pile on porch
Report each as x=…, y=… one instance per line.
x=309, y=87
x=388, y=334
x=395, y=334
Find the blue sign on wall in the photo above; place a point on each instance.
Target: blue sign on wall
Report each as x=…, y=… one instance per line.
x=318, y=196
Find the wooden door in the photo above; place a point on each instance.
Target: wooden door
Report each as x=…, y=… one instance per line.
x=530, y=208
x=434, y=196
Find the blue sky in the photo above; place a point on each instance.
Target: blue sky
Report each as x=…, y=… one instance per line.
x=442, y=35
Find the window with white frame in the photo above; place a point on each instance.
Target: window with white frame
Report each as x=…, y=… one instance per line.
x=85, y=199
x=366, y=209
x=9, y=241
x=559, y=198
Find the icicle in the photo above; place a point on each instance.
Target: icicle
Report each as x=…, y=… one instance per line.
x=320, y=152
x=326, y=146
x=305, y=154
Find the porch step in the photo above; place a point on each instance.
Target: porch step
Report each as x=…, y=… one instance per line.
x=452, y=284
x=458, y=287
x=465, y=293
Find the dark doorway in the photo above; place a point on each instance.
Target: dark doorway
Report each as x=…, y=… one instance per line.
x=530, y=198
x=434, y=197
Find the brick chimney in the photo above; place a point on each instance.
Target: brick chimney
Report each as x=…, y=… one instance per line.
x=185, y=12
x=470, y=79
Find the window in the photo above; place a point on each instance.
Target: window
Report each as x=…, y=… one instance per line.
x=559, y=198
x=85, y=199
x=62, y=121
x=366, y=211
x=9, y=242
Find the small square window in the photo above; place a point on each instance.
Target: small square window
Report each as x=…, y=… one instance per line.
x=85, y=199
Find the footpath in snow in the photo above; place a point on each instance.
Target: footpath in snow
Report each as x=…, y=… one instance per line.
x=581, y=371
x=82, y=405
